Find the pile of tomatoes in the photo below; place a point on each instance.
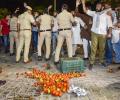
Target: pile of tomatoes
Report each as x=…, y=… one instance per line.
x=55, y=84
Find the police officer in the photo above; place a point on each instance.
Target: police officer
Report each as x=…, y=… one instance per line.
x=65, y=21
x=13, y=33
x=46, y=22
x=25, y=21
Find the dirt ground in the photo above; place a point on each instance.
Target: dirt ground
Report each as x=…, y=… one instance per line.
x=99, y=84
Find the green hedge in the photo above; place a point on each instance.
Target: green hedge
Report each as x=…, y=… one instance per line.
x=3, y=12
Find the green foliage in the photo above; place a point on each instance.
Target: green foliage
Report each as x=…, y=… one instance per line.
x=114, y=3
x=3, y=12
x=38, y=8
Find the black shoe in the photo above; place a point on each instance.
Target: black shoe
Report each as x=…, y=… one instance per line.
x=21, y=53
x=85, y=58
x=115, y=63
x=118, y=68
x=30, y=60
x=90, y=66
x=2, y=82
x=47, y=59
x=0, y=69
x=12, y=54
x=56, y=63
x=74, y=55
x=6, y=50
x=39, y=58
x=18, y=61
x=103, y=65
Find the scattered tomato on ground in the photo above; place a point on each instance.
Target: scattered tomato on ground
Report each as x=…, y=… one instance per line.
x=55, y=84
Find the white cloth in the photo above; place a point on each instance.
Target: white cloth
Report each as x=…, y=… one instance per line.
x=55, y=27
x=74, y=48
x=85, y=48
x=86, y=43
x=114, y=17
x=102, y=20
x=76, y=38
x=115, y=35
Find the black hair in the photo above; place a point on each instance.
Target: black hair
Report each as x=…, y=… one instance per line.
x=6, y=15
x=14, y=14
x=99, y=3
x=45, y=11
x=65, y=6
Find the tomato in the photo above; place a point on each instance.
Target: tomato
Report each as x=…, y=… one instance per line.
x=60, y=94
x=55, y=84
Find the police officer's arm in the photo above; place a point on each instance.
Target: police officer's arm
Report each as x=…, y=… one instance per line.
x=57, y=19
x=38, y=21
x=32, y=20
x=52, y=22
x=72, y=20
x=18, y=27
x=49, y=8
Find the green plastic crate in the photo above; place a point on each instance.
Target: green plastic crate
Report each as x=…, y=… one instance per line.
x=72, y=65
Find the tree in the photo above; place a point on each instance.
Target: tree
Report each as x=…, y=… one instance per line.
x=3, y=12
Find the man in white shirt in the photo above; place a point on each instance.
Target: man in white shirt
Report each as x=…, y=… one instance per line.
x=113, y=13
x=109, y=48
x=101, y=28
x=116, y=42
x=76, y=37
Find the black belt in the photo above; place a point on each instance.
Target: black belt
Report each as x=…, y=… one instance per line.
x=13, y=31
x=45, y=30
x=64, y=29
x=54, y=31
x=24, y=29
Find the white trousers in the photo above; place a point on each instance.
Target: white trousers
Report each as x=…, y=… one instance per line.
x=74, y=48
x=85, y=47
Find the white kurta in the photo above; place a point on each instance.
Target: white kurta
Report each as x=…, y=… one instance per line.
x=115, y=35
x=76, y=38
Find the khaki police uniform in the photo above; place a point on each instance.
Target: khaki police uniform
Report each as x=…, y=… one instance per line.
x=25, y=21
x=13, y=33
x=65, y=20
x=46, y=22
